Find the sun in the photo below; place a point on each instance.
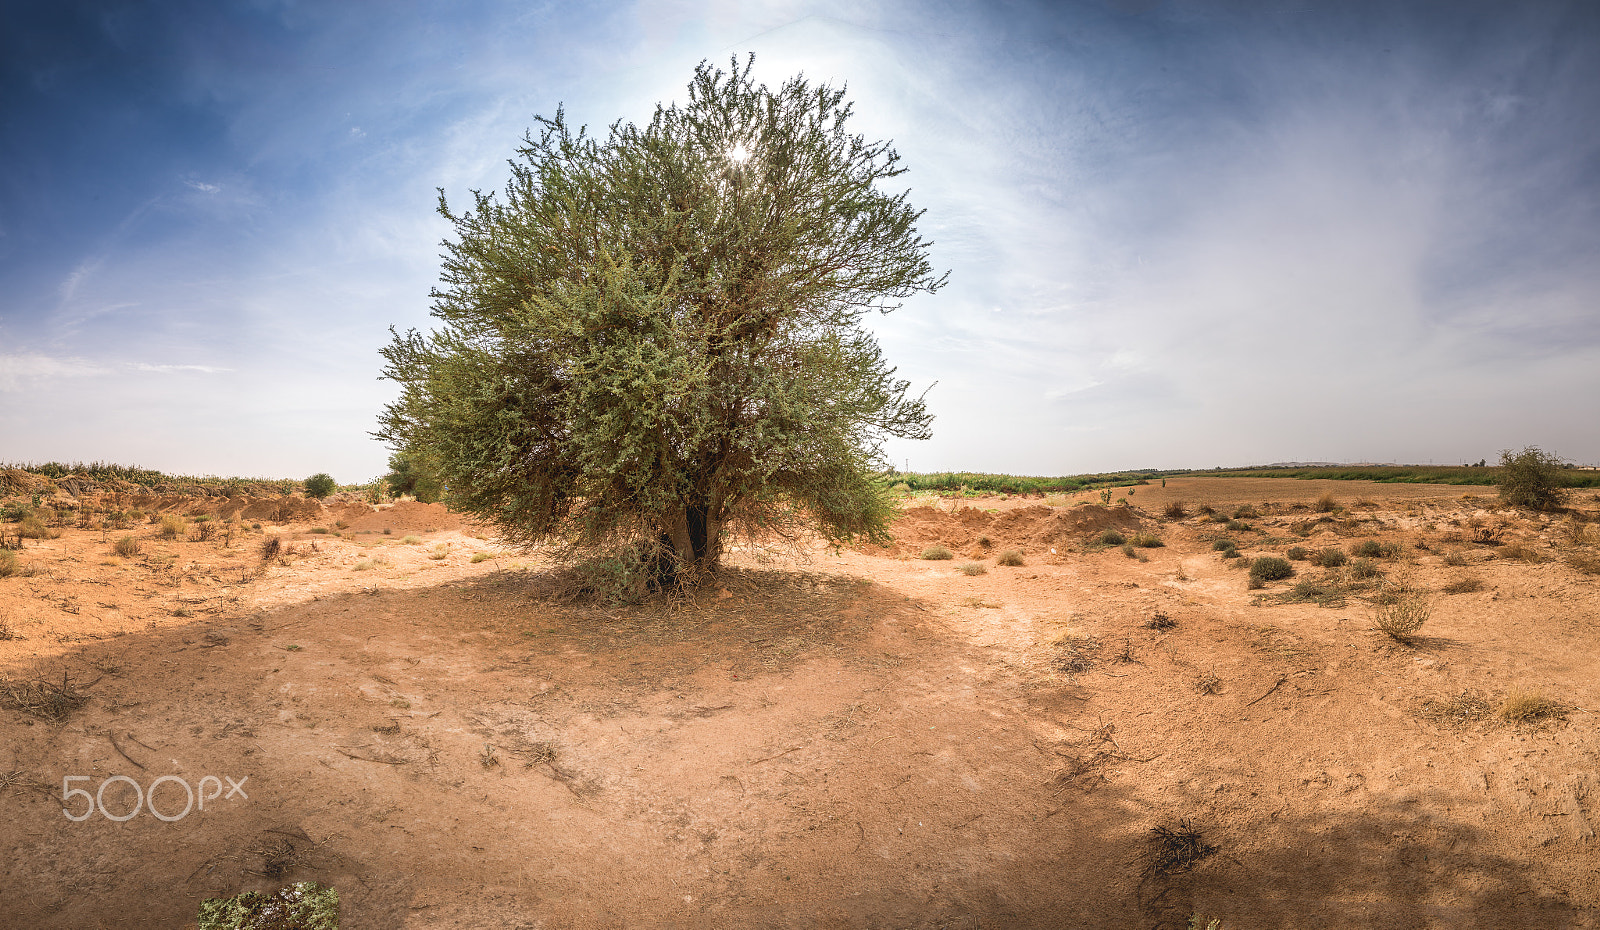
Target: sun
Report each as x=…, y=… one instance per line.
x=739, y=154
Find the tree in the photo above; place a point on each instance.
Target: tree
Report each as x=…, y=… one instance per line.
x=409, y=474
x=656, y=339
x=1531, y=478
x=320, y=485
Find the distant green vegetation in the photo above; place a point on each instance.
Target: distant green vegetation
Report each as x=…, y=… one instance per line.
x=1485, y=476
x=160, y=482
x=978, y=483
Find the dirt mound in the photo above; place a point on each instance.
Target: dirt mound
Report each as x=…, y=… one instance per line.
x=1026, y=528
x=403, y=517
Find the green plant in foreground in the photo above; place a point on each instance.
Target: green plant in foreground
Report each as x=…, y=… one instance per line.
x=301, y=906
x=1401, y=612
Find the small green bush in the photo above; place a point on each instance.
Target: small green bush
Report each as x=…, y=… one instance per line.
x=937, y=553
x=1010, y=557
x=1144, y=541
x=1230, y=553
x=1372, y=549
x=1363, y=568
x=173, y=526
x=1112, y=538
x=1223, y=545
x=320, y=485
x=1237, y=526
x=1298, y=553
x=127, y=547
x=301, y=906
x=1330, y=558
x=1271, y=568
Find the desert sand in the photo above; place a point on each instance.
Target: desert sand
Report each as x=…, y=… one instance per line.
x=856, y=738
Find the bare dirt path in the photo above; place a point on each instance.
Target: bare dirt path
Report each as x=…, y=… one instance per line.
x=856, y=740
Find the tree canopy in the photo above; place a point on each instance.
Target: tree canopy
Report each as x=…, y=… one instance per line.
x=655, y=338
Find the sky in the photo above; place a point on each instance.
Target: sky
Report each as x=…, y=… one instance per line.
x=1179, y=234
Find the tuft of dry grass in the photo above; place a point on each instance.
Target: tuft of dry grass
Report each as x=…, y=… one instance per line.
x=483, y=557
x=974, y=568
x=1402, y=611
x=271, y=548
x=1011, y=558
x=1175, y=510
x=172, y=526
x=1464, y=585
x=1455, y=558
x=1522, y=706
x=1458, y=710
x=1160, y=621
x=8, y=563
x=937, y=554
x=1522, y=553
x=411, y=541
x=1325, y=504
x=127, y=547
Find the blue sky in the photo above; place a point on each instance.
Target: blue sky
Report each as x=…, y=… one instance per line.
x=1180, y=234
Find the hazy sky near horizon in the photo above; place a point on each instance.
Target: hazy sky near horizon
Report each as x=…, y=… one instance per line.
x=1180, y=234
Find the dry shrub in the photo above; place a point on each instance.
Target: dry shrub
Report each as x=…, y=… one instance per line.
x=1467, y=707
x=1464, y=586
x=1145, y=541
x=1171, y=851
x=1111, y=538
x=1325, y=504
x=1455, y=559
x=1298, y=554
x=33, y=528
x=1175, y=510
x=8, y=563
x=411, y=541
x=172, y=526
x=937, y=553
x=1160, y=621
x=482, y=557
x=1402, y=611
x=42, y=697
x=127, y=547
x=1522, y=706
x=1010, y=557
x=271, y=548
x=1075, y=654
x=973, y=568
x=1586, y=562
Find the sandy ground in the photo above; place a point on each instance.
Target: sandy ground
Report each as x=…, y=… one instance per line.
x=853, y=739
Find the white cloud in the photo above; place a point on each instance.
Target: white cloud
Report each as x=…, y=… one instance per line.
x=205, y=369
x=18, y=371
